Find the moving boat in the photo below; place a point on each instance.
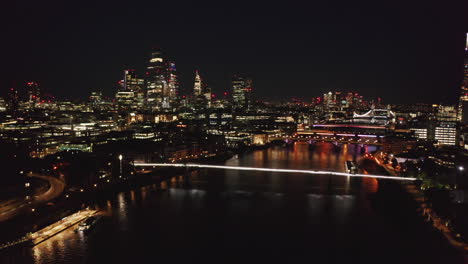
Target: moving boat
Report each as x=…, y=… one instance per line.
x=88, y=224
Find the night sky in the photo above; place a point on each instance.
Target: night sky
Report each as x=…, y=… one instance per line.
x=403, y=51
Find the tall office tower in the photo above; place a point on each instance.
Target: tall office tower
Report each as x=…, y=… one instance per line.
x=156, y=82
x=131, y=82
x=197, y=86
x=135, y=85
x=446, y=125
x=463, y=104
x=32, y=93
x=239, y=98
x=123, y=97
x=328, y=99
x=13, y=100
x=201, y=92
x=173, y=84
x=207, y=94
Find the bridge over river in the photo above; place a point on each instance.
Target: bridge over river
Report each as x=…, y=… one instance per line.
x=314, y=172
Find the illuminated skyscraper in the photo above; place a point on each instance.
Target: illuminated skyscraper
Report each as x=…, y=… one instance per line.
x=463, y=104
x=197, y=86
x=132, y=83
x=162, y=85
x=173, y=84
x=32, y=93
x=156, y=82
x=446, y=128
x=239, y=96
x=328, y=99
x=207, y=94
x=201, y=92
x=13, y=99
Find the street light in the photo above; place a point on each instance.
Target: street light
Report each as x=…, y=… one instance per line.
x=458, y=175
x=120, y=167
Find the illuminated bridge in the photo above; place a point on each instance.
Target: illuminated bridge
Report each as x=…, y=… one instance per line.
x=339, y=133
x=314, y=172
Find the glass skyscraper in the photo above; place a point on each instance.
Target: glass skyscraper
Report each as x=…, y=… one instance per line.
x=239, y=96
x=155, y=77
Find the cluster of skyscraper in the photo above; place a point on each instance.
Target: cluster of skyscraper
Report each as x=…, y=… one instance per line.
x=159, y=88
x=26, y=96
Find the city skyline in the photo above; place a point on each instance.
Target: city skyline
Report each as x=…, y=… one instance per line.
x=306, y=54
x=197, y=131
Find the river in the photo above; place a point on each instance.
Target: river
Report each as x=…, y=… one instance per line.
x=241, y=216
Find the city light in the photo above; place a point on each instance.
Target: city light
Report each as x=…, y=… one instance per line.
x=304, y=142
x=315, y=172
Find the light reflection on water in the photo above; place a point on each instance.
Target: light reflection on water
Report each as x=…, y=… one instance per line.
x=56, y=249
x=169, y=213
x=122, y=211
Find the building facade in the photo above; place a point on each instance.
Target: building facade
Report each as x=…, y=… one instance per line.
x=155, y=79
x=446, y=126
x=240, y=93
x=463, y=102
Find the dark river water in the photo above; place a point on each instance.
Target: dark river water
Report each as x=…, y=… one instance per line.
x=241, y=216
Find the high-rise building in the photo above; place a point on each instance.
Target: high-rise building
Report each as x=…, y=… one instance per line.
x=328, y=99
x=13, y=99
x=207, y=94
x=336, y=100
x=124, y=97
x=463, y=103
x=446, y=125
x=201, y=92
x=132, y=83
x=162, y=85
x=197, y=86
x=239, y=96
x=173, y=84
x=32, y=94
x=156, y=82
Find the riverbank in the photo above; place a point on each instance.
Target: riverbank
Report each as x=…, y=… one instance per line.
x=254, y=215
x=40, y=236
x=425, y=210
x=43, y=215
